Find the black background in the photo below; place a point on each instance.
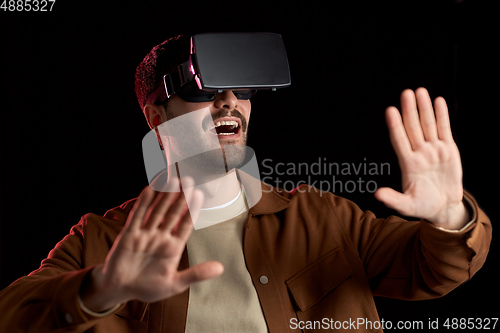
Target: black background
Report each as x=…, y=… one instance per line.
x=71, y=128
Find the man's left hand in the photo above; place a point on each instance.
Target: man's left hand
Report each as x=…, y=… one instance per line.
x=429, y=160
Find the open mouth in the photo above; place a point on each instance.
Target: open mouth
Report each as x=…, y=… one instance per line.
x=225, y=128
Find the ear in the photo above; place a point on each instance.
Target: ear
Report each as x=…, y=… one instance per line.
x=153, y=114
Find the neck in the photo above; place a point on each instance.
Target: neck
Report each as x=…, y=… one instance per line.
x=221, y=190
x=216, y=191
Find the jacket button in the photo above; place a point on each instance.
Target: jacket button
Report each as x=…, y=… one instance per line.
x=263, y=279
x=68, y=317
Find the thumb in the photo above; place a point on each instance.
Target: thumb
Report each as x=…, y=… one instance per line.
x=203, y=271
x=395, y=200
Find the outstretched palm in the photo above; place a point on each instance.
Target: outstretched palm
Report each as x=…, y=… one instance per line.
x=143, y=262
x=429, y=160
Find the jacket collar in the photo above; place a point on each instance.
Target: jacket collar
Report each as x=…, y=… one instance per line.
x=262, y=198
x=271, y=201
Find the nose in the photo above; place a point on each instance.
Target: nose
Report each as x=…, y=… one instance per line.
x=226, y=99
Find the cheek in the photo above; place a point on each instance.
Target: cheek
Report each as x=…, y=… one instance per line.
x=246, y=107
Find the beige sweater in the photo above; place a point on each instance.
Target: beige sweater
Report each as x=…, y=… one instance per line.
x=228, y=303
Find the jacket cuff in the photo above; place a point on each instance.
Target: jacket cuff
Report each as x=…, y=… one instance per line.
x=68, y=312
x=471, y=208
x=96, y=314
x=475, y=237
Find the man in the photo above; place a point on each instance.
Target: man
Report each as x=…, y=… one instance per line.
x=289, y=262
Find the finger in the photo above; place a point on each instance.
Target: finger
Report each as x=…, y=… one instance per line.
x=156, y=212
x=179, y=207
x=158, y=208
x=200, y=272
x=397, y=133
x=395, y=200
x=185, y=226
x=137, y=213
x=443, y=120
x=411, y=120
x=426, y=112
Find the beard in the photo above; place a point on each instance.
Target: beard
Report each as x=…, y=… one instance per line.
x=234, y=156
x=214, y=163
x=233, y=153
x=210, y=159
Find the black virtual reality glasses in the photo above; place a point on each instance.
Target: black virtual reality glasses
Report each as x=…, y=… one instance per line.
x=239, y=62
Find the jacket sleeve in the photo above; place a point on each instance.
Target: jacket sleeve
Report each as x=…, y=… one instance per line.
x=46, y=299
x=415, y=260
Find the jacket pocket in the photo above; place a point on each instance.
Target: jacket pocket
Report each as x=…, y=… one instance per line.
x=312, y=283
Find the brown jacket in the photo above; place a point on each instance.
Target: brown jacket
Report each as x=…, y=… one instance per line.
x=322, y=256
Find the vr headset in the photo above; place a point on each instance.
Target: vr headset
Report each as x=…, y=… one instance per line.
x=240, y=62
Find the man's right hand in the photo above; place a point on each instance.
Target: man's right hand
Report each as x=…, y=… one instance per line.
x=142, y=264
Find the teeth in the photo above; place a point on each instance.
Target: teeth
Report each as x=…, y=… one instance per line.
x=226, y=123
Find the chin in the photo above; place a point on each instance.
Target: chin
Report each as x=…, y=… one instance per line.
x=234, y=155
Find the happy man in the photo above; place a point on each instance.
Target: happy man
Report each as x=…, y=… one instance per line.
x=297, y=256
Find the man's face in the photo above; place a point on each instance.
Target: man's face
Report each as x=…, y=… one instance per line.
x=226, y=122
x=230, y=116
